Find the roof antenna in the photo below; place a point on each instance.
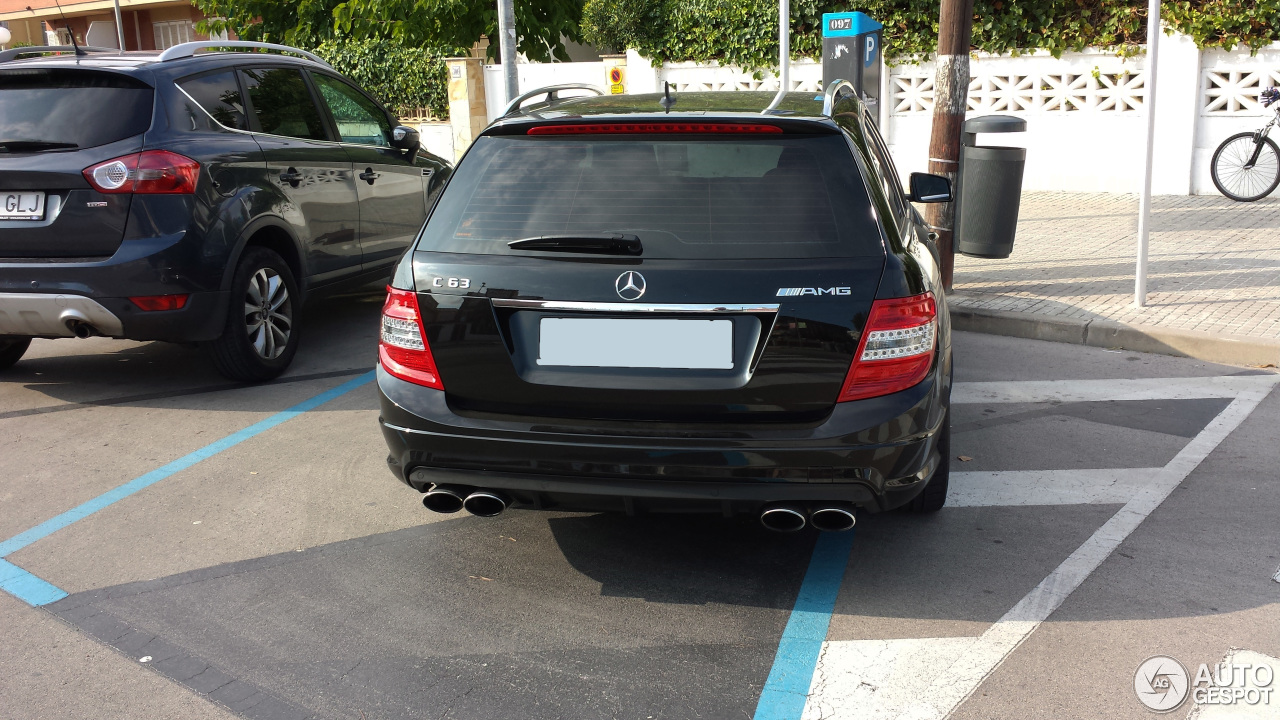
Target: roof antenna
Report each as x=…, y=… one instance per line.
x=67, y=26
x=667, y=102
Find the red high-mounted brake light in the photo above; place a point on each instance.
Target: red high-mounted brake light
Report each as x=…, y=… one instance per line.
x=402, y=347
x=654, y=128
x=154, y=172
x=896, y=350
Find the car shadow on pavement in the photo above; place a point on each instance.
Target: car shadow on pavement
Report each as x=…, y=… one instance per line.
x=339, y=339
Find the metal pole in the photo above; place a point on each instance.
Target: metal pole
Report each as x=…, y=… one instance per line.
x=119, y=27
x=507, y=42
x=784, y=53
x=1144, y=199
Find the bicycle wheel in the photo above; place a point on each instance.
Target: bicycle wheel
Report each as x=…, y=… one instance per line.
x=1240, y=183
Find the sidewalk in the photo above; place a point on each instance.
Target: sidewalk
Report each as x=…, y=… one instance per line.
x=1213, y=283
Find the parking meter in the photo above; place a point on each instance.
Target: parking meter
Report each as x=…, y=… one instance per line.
x=851, y=51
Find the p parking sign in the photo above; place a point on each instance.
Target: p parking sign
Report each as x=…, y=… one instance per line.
x=851, y=50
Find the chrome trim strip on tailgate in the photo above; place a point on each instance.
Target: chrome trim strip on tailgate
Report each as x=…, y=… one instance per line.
x=610, y=307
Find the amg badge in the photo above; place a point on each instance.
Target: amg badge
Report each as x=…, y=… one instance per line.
x=792, y=292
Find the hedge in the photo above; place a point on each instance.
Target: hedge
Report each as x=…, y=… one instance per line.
x=744, y=32
x=403, y=78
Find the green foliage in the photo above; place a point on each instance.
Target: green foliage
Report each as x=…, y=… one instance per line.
x=744, y=32
x=301, y=23
x=403, y=78
x=541, y=25
x=1226, y=23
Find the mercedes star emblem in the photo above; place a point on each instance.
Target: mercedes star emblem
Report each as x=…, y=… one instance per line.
x=630, y=285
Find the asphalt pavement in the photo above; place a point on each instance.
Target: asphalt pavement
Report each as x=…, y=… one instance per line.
x=178, y=546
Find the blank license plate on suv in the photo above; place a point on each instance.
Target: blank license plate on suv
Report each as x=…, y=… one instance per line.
x=21, y=206
x=636, y=343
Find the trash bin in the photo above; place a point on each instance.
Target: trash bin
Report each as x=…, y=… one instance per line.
x=989, y=189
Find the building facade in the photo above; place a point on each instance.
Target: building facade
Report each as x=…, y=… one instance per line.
x=148, y=24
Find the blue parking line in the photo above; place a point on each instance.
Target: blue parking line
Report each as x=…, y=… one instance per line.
x=33, y=590
x=787, y=688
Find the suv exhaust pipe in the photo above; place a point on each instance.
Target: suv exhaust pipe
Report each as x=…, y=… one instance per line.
x=832, y=519
x=81, y=329
x=783, y=518
x=445, y=498
x=485, y=503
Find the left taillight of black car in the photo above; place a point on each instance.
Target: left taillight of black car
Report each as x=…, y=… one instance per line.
x=402, y=347
x=154, y=172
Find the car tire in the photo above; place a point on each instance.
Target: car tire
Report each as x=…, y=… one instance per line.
x=11, y=350
x=934, y=495
x=260, y=337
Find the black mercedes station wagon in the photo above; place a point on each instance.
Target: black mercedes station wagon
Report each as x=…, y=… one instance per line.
x=619, y=303
x=194, y=196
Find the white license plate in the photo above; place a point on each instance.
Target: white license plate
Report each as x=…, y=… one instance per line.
x=21, y=206
x=636, y=343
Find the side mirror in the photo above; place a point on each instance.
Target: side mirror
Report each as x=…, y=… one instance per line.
x=926, y=188
x=406, y=138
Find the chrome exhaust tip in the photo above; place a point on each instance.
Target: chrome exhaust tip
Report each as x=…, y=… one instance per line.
x=485, y=503
x=445, y=498
x=782, y=518
x=81, y=329
x=832, y=519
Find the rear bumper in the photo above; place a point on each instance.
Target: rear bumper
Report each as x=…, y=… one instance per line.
x=35, y=296
x=877, y=454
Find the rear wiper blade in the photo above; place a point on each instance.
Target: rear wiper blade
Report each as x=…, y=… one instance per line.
x=601, y=244
x=28, y=145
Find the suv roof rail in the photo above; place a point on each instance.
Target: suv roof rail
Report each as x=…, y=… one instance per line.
x=15, y=53
x=551, y=91
x=186, y=50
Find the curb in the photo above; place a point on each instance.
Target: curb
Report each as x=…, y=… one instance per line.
x=1229, y=349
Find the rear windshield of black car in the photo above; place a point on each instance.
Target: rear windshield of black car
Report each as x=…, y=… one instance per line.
x=71, y=107
x=689, y=196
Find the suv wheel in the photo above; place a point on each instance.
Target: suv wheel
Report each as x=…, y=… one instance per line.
x=11, y=350
x=934, y=495
x=260, y=337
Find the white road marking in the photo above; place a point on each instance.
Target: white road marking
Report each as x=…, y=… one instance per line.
x=927, y=679
x=1276, y=577
x=871, y=679
x=1047, y=487
x=1181, y=388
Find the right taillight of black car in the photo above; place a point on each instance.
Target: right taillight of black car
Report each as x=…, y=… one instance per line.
x=402, y=347
x=896, y=350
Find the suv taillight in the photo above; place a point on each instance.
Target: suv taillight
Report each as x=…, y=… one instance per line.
x=154, y=172
x=897, y=348
x=403, y=348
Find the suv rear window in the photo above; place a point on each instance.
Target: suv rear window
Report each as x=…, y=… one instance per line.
x=781, y=196
x=52, y=105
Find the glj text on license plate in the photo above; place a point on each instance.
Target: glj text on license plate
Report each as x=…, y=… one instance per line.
x=21, y=206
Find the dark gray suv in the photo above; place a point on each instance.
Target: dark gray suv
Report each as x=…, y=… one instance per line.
x=195, y=197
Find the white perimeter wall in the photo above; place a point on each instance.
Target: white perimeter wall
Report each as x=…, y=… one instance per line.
x=1086, y=112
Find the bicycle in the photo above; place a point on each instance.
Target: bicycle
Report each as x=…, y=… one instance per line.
x=1246, y=166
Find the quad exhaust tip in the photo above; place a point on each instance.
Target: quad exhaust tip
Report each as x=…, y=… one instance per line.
x=449, y=499
x=485, y=503
x=783, y=518
x=832, y=519
x=445, y=498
